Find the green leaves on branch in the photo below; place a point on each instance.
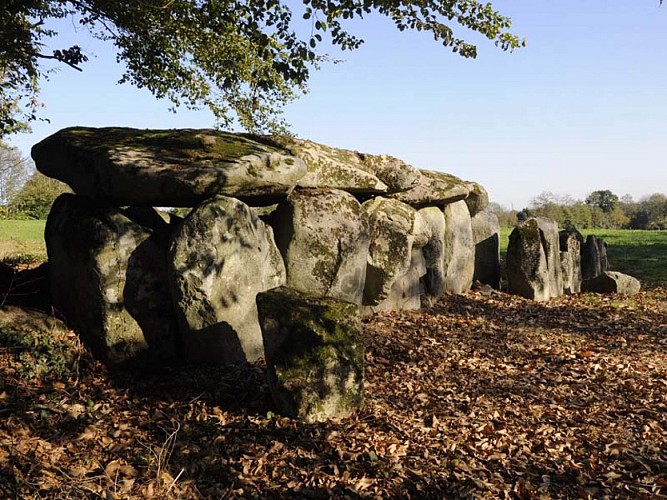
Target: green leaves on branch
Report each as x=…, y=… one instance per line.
x=243, y=59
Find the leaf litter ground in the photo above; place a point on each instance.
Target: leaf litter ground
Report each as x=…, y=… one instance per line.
x=478, y=397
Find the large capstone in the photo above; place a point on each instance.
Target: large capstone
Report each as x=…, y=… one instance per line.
x=221, y=256
x=108, y=278
x=486, y=237
x=396, y=264
x=323, y=237
x=124, y=166
x=314, y=354
x=335, y=168
x=459, y=251
x=533, y=260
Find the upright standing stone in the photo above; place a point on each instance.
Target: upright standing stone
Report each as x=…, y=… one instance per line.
x=222, y=256
x=593, y=257
x=570, y=257
x=570, y=230
x=459, y=253
x=533, y=260
x=486, y=236
x=314, y=354
x=323, y=238
x=108, y=277
x=395, y=261
x=433, y=281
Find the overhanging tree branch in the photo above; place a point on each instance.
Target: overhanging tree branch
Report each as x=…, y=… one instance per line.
x=59, y=59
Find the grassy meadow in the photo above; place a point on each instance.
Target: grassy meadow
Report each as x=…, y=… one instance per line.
x=642, y=254
x=22, y=240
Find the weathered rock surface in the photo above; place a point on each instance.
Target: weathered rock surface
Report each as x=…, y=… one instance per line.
x=395, y=262
x=459, y=250
x=108, y=278
x=570, y=231
x=334, y=168
x=533, y=260
x=314, y=354
x=407, y=291
x=433, y=252
x=434, y=189
x=221, y=256
x=486, y=237
x=612, y=282
x=323, y=236
x=123, y=166
x=183, y=167
x=570, y=258
x=593, y=257
x=477, y=200
x=395, y=173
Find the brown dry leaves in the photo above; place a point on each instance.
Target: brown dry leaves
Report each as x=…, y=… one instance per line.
x=477, y=397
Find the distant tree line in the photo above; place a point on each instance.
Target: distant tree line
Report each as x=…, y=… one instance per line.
x=601, y=209
x=24, y=192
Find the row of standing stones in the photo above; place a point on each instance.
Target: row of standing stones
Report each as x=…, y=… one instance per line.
x=288, y=243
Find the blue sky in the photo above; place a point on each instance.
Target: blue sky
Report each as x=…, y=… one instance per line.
x=577, y=110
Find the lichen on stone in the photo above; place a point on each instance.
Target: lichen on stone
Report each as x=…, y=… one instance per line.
x=314, y=356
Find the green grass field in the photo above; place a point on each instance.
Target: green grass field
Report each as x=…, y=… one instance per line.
x=22, y=240
x=642, y=254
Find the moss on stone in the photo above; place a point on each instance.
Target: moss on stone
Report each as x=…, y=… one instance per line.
x=314, y=356
x=181, y=144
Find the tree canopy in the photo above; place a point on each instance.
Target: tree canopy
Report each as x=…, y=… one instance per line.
x=14, y=173
x=603, y=199
x=601, y=209
x=34, y=199
x=243, y=59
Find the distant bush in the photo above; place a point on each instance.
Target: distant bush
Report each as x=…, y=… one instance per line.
x=34, y=199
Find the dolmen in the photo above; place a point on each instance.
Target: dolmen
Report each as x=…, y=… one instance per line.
x=276, y=223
